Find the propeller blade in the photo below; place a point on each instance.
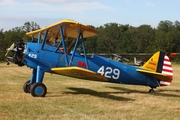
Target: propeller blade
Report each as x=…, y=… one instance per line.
x=9, y=49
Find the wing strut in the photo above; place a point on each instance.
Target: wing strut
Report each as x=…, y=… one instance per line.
x=71, y=59
x=83, y=45
x=63, y=43
x=84, y=49
x=44, y=39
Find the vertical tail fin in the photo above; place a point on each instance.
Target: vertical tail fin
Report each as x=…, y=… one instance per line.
x=160, y=63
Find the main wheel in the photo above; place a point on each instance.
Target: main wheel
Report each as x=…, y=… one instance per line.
x=38, y=90
x=27, y=87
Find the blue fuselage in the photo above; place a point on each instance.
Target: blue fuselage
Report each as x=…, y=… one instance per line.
x=49, y=57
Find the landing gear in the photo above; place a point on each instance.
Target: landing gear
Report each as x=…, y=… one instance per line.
x=35, y=85
x=38, y=90
x=151, y=90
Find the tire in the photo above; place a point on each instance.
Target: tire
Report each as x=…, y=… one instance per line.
x=151, y=90
x=27, y=87
x=38, y=90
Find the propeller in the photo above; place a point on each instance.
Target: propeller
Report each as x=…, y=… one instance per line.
x=9, y=49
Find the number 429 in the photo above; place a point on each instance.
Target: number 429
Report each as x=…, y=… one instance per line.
x=108, y=72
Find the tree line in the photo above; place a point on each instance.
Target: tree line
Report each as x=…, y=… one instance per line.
x=113, y=38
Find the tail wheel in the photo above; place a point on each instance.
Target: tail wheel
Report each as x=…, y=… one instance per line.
x=27, y=87
x=38, y=90
x=151, y=90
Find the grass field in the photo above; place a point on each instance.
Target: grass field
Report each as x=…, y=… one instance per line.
x=74, y=99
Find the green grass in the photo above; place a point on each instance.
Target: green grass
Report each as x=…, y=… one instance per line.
x=74, y=99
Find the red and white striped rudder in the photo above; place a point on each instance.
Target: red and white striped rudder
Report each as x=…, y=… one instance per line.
x=167, y=69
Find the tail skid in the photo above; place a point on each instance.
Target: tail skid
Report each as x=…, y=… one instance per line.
x=160, y=64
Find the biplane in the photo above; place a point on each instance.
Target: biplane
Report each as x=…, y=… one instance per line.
x=53, y=49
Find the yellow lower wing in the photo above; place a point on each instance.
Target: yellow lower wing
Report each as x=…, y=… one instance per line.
x=159, y=76
x=78, y=72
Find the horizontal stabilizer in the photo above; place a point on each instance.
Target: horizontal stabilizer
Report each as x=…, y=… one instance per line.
x=78, y=72
x=159, y=76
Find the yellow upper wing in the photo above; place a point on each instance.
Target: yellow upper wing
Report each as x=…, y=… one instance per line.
x=70, y=28
x=78, y=72
x=160, y=76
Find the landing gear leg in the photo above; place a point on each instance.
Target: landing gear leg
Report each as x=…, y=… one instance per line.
x=35, y=85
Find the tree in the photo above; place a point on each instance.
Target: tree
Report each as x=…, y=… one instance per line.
x=176, y=37
x=30, y=26
x=164, y=36
x=145, y=39
x=91, y=43
x=124, y=42
x=109, y=35
x=1, y=44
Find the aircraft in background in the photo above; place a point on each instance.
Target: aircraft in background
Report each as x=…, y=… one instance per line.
x=174, y=54
x=52, y=51
x=121, y=57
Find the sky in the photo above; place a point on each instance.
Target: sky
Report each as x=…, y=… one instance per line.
x=14, y=13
